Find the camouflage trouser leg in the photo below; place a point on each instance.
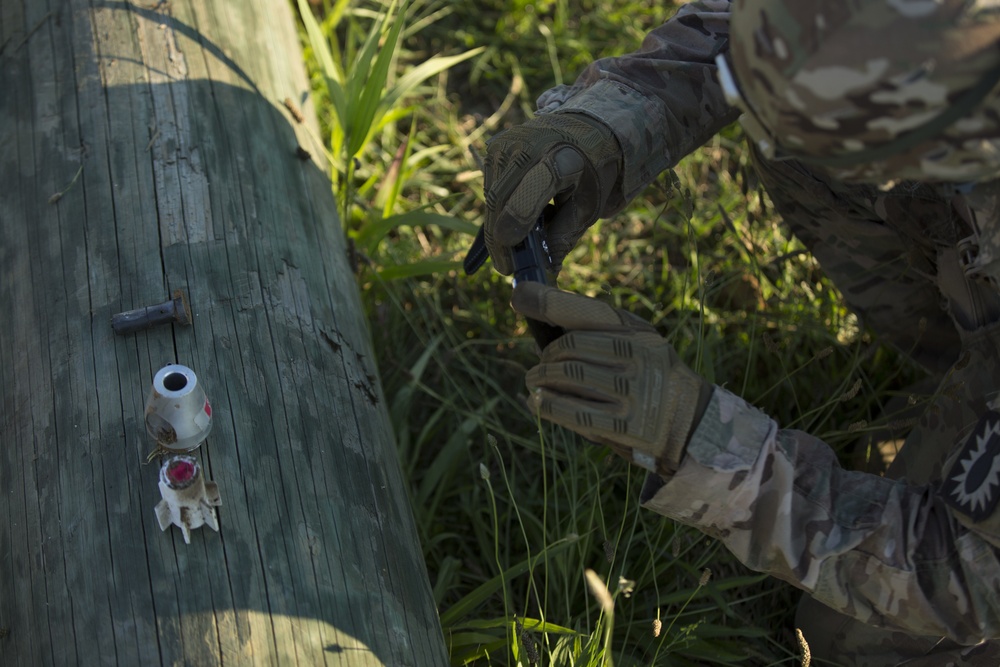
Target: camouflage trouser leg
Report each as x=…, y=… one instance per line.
x=836, y=639
x=878, y=271
x=853, y=232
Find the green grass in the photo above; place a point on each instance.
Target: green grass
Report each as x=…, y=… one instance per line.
x=512, y=513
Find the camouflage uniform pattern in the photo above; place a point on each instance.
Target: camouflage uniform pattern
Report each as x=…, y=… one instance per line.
x=853, y=85
x=661, y=102
x=902, y=569
x=893, y=255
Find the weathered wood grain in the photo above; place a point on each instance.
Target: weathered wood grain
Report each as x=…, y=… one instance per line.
x=170, y=117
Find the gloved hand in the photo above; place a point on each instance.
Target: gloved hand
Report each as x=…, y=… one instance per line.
x=612, y=378
x=570, y=158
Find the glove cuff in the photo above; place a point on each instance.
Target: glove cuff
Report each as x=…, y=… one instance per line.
x=687, y=399
x=627, y=112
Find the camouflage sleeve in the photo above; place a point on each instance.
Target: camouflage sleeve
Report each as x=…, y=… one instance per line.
x=662, y=101
x=886, y=552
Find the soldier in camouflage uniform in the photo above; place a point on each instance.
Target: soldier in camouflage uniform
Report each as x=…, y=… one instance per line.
x=874, y=127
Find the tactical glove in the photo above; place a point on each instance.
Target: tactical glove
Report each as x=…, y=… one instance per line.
x=613, y=379
x=570, y=158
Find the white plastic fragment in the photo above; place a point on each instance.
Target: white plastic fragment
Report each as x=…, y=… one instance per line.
x=188, y=500
x=178, y=414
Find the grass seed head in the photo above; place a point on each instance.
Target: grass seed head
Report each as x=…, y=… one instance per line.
x=804, y=647
x=600, y=591
x=852, y=392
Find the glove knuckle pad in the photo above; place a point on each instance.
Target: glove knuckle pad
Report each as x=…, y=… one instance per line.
x=532, y=193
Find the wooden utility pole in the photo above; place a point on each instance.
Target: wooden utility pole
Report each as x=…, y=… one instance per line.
x=145, y=148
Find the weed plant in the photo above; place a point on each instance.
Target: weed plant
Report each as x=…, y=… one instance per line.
x=537, y=550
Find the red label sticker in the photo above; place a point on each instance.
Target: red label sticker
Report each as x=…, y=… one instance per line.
x=208, y=408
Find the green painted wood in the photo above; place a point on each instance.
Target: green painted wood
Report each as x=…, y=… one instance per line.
x=169, y=116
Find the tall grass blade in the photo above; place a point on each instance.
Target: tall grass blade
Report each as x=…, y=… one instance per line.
x=425, y=70
x=369, y=236
x=425, y=268
x=318, y=42
x=367, y=98
x=484, y=591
